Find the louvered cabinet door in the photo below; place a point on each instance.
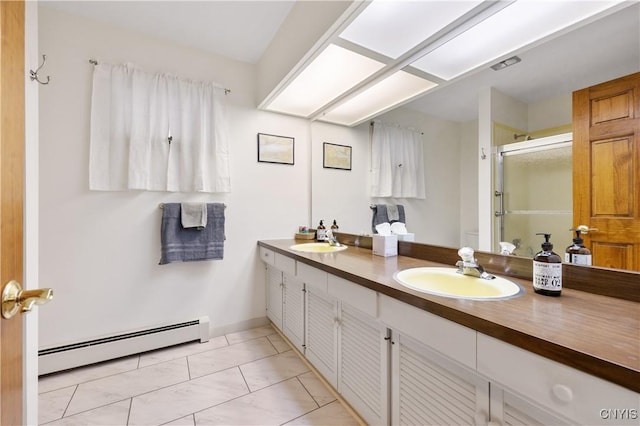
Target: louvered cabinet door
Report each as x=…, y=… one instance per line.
x=321, y=346
x=510, y=410
x=274, y=296
x=428, y=389
x=293, y=310
x=363, y=365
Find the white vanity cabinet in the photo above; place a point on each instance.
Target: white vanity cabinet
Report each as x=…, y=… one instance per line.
x=571, y=396
x=346, y=343
x=433, y=377
x=285, y=296
x=274, y=295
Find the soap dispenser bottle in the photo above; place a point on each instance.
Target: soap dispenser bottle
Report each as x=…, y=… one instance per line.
x=321, y=231
x=577, y=253
x=547, y=270
x=334, y=227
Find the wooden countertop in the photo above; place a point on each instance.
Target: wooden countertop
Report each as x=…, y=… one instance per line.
x=596, y=334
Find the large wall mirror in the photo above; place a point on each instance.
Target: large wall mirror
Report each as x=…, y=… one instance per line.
x=533, y=99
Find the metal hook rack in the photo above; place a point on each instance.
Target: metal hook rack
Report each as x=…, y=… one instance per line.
x=34, y=74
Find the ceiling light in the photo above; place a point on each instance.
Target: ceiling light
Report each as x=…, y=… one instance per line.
x=506, y=63
x=393, y=27
x=329, y=75
x=395, y=89
x=515, y=26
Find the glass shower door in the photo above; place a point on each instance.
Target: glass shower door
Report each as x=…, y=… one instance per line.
x=534, y=194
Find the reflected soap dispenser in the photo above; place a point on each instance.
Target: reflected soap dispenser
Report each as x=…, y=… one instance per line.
x=547, y=270
x=577, y=253
x=321, y=232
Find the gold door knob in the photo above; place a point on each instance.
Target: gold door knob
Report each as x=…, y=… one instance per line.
x=15, y=299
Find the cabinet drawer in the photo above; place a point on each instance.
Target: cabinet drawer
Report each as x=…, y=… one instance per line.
x=450, y=339
x=359, y=297
x=267, y=255
x=285, y=264
x=313, y=277
x=580, y=397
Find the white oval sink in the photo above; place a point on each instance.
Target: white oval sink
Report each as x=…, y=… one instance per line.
x=448, y=282
x=317, y=248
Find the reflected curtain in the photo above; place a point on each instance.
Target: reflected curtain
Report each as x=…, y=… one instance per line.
x=157, y=132
x=397, y=162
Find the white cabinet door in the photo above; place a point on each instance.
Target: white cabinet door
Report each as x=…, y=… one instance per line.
x=321, y=347
x=274, y=295
x=510, y=410
x=293, y=310
x=363, y=365
x=429, y=389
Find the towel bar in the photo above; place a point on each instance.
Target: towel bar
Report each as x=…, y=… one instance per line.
x=161, y=206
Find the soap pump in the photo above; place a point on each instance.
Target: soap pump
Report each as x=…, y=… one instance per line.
x=321, y=231
x=547, y=270
x=577, y=253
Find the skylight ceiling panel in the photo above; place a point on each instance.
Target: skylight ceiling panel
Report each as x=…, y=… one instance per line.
x=517, y=25
x=392, y=28
x=329, y=75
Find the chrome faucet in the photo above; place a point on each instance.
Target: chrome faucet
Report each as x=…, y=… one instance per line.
x=469, y=265
x=331, y=239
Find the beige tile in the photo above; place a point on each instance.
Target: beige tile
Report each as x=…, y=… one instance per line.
x=230, y=356
x=125, y=385
x=254, y=333
x=274, y=369
x=84, y=374
x=318, y=390
x=109, y=415
x=180, y=400
x=333, y=414
x=180, y=351
x=279, y=343
x=51, y=405
x=274, y=405
x=185, y=421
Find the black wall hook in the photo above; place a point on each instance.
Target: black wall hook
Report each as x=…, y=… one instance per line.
x=34, y=74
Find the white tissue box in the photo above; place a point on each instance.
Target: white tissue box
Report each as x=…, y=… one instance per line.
x=409, y=236
x=385, y=245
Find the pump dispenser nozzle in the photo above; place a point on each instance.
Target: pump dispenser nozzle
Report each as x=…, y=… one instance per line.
x=546, y=246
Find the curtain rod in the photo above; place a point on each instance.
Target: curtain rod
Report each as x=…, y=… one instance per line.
x=94, y=62
x=397, y=125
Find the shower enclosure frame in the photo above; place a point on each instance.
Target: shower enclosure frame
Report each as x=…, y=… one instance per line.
x=518, y=148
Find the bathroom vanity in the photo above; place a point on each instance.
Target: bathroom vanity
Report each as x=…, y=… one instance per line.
x=399, y=356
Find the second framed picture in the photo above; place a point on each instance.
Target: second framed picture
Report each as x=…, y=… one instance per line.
x=336, y=156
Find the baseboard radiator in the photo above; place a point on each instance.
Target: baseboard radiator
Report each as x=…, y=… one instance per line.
x=115, y=346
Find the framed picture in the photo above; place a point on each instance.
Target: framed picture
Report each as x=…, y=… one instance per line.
x=336, y=156
x=275, y=149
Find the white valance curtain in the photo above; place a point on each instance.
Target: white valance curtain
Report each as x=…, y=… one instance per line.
x=157, y=132
x=397, y=162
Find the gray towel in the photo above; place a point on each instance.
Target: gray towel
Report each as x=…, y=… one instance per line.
x=190, y=244
x=380, y=215
x=392, y=213
x=193, y=215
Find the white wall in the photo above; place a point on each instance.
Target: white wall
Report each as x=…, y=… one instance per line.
x=341, y=194
x=99, y=251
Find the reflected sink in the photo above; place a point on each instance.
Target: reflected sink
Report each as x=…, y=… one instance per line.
x=448, y=282
x=317, y=248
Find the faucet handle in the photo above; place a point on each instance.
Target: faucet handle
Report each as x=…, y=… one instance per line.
x=466, y=253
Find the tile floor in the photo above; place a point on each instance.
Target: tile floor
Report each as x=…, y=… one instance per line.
x=248, y=378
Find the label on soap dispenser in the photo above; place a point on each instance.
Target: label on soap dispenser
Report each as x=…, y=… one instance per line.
x=547, y=276
x=578, y=259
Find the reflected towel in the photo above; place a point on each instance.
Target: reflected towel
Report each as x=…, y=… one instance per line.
x=392, y=213
x=180, y=244
x=380, y=215
x=193, y=215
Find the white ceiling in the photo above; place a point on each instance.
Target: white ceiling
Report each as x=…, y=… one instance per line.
x=242, y=30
